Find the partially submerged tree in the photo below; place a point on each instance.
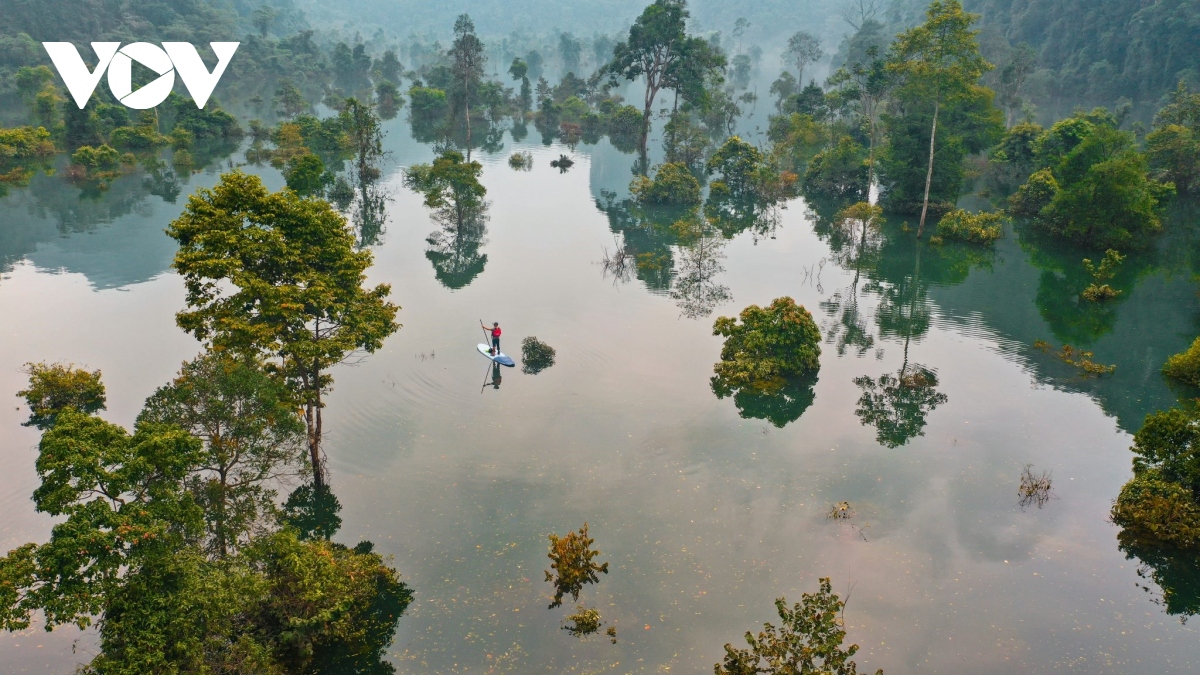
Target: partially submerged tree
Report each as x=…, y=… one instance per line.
x=571, y=559
x=469, y=60
x=808, y=641
x=55, y=387
x=275, y=275
x=770, y=344
x=941, y=59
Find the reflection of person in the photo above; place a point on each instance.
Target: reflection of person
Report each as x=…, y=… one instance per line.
x=496, y=374
x=495, y=338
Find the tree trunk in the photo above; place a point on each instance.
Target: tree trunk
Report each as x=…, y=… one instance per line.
x=929, y=172
x=467, y=107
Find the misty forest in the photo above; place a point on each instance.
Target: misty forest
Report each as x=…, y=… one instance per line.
x=853, y=334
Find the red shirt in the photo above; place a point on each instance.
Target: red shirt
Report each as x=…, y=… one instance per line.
x=496, y=332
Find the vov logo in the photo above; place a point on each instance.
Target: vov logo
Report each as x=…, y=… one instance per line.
x=171, y=58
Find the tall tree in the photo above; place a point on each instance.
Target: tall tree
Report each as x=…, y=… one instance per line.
x=651, y=50
x=276, y=275
x=870, y=84
x=803, y=49
x=469, y=59
x=940, y=58
x=251, y=439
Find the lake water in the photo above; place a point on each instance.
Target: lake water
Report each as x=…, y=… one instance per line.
x=705, y=515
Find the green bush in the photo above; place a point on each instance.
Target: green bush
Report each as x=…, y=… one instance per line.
x=536, y=356
x=975, y=228
x=1157, y=511
x=25, y=143
x=672, y=185
x=839, y=172
x=1169, y=443
x=1034, y=195
x=103, y=158
x=1185, y=365
x=137, y=138
x=769, y=345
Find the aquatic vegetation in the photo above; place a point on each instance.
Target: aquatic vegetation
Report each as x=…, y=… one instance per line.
x=840, y=511
x=584, y=622
x=1185, y=365
x=1155, y=510
x=24, y=143
x=571, y=559
x=1080, y=358
x=672, y=185
x=839, y=172
x=521, y=161
x=771, y=343
x=974, y=228
x=536, y=356
x=1034, y=488
x=808, y=640
x=1099, y=290
x=563, y=163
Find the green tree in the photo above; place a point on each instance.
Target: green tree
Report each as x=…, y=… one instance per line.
x=251, y=438
x=276, y=275
x=389, y=67
x=1173, y=153
x=650, y=51
x=770, y=344
x=290, y=101
x=469, y=59
x=452, y=190
x=519, y=71
x=672, y=185
x=306, y=175
x=802, y=49
x=54, y=387
x=939, y=58
x=869, y=84
x=808, y=641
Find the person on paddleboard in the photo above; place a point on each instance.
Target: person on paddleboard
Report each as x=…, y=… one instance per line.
x=495, y=338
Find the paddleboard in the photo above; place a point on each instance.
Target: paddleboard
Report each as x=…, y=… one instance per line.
x=501, y=358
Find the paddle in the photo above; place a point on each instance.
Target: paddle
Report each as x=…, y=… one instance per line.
x=487, y=340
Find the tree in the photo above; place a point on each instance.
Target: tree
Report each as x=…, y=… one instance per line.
x=469, y=59
x=803, y=48
x=519, y=71
x=452, y=190
x=940, y=58
x=1012, y=79
x=569, y=50
x=276, y=275
x=251, y=438
x=262, y=18
x=650, y=50
x=55, y=387
x=672, y=185
x=366, y=142
x=290, y=101
x=808, y=641
x=389, y=67
x=1173, y=153
x=870, y=84
x=770, y=344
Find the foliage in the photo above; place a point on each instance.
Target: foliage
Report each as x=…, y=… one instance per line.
x=938, y=61
x=306, y=175
x=1156, y=511
x=1080, y=358
x=251, y=438
x=797, y=138
x=536, y=356
x=521, y=161
x=277, y=275
x=975, y=228
x=142, y=137
x=769, y=345
x=672, y=185
x=1099, y=290
x=779, y=405
x=584, y=622
x=1169, y=443
x=451, y=187
x=24, y=143
x=1173, y=154
x=808, y=641
x=1185, y=365
x=571, y=558
x=1035, y=194
x=838, y=172
x=54, y=387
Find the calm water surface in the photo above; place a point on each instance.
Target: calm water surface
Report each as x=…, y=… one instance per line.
x=705, y=515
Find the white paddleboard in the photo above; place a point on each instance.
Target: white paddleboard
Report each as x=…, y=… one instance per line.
x=501, y=358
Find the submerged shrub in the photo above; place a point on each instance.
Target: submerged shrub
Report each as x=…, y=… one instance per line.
x=1034, y=195
x=571, y=559
x=1156, y=511
x=975, y=228
x=770, y=344
x=1185, y=365
x=536, y=356
x=673, y=184
x=521, y=161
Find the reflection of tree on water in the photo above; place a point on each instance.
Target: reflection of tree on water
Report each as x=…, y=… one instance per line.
x=854, y=242
x=695, y=290
x=897, y=405
x=779, y=405
x=454, y=252
x=313, y=512
x=1175, y=572
x=646, y=236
